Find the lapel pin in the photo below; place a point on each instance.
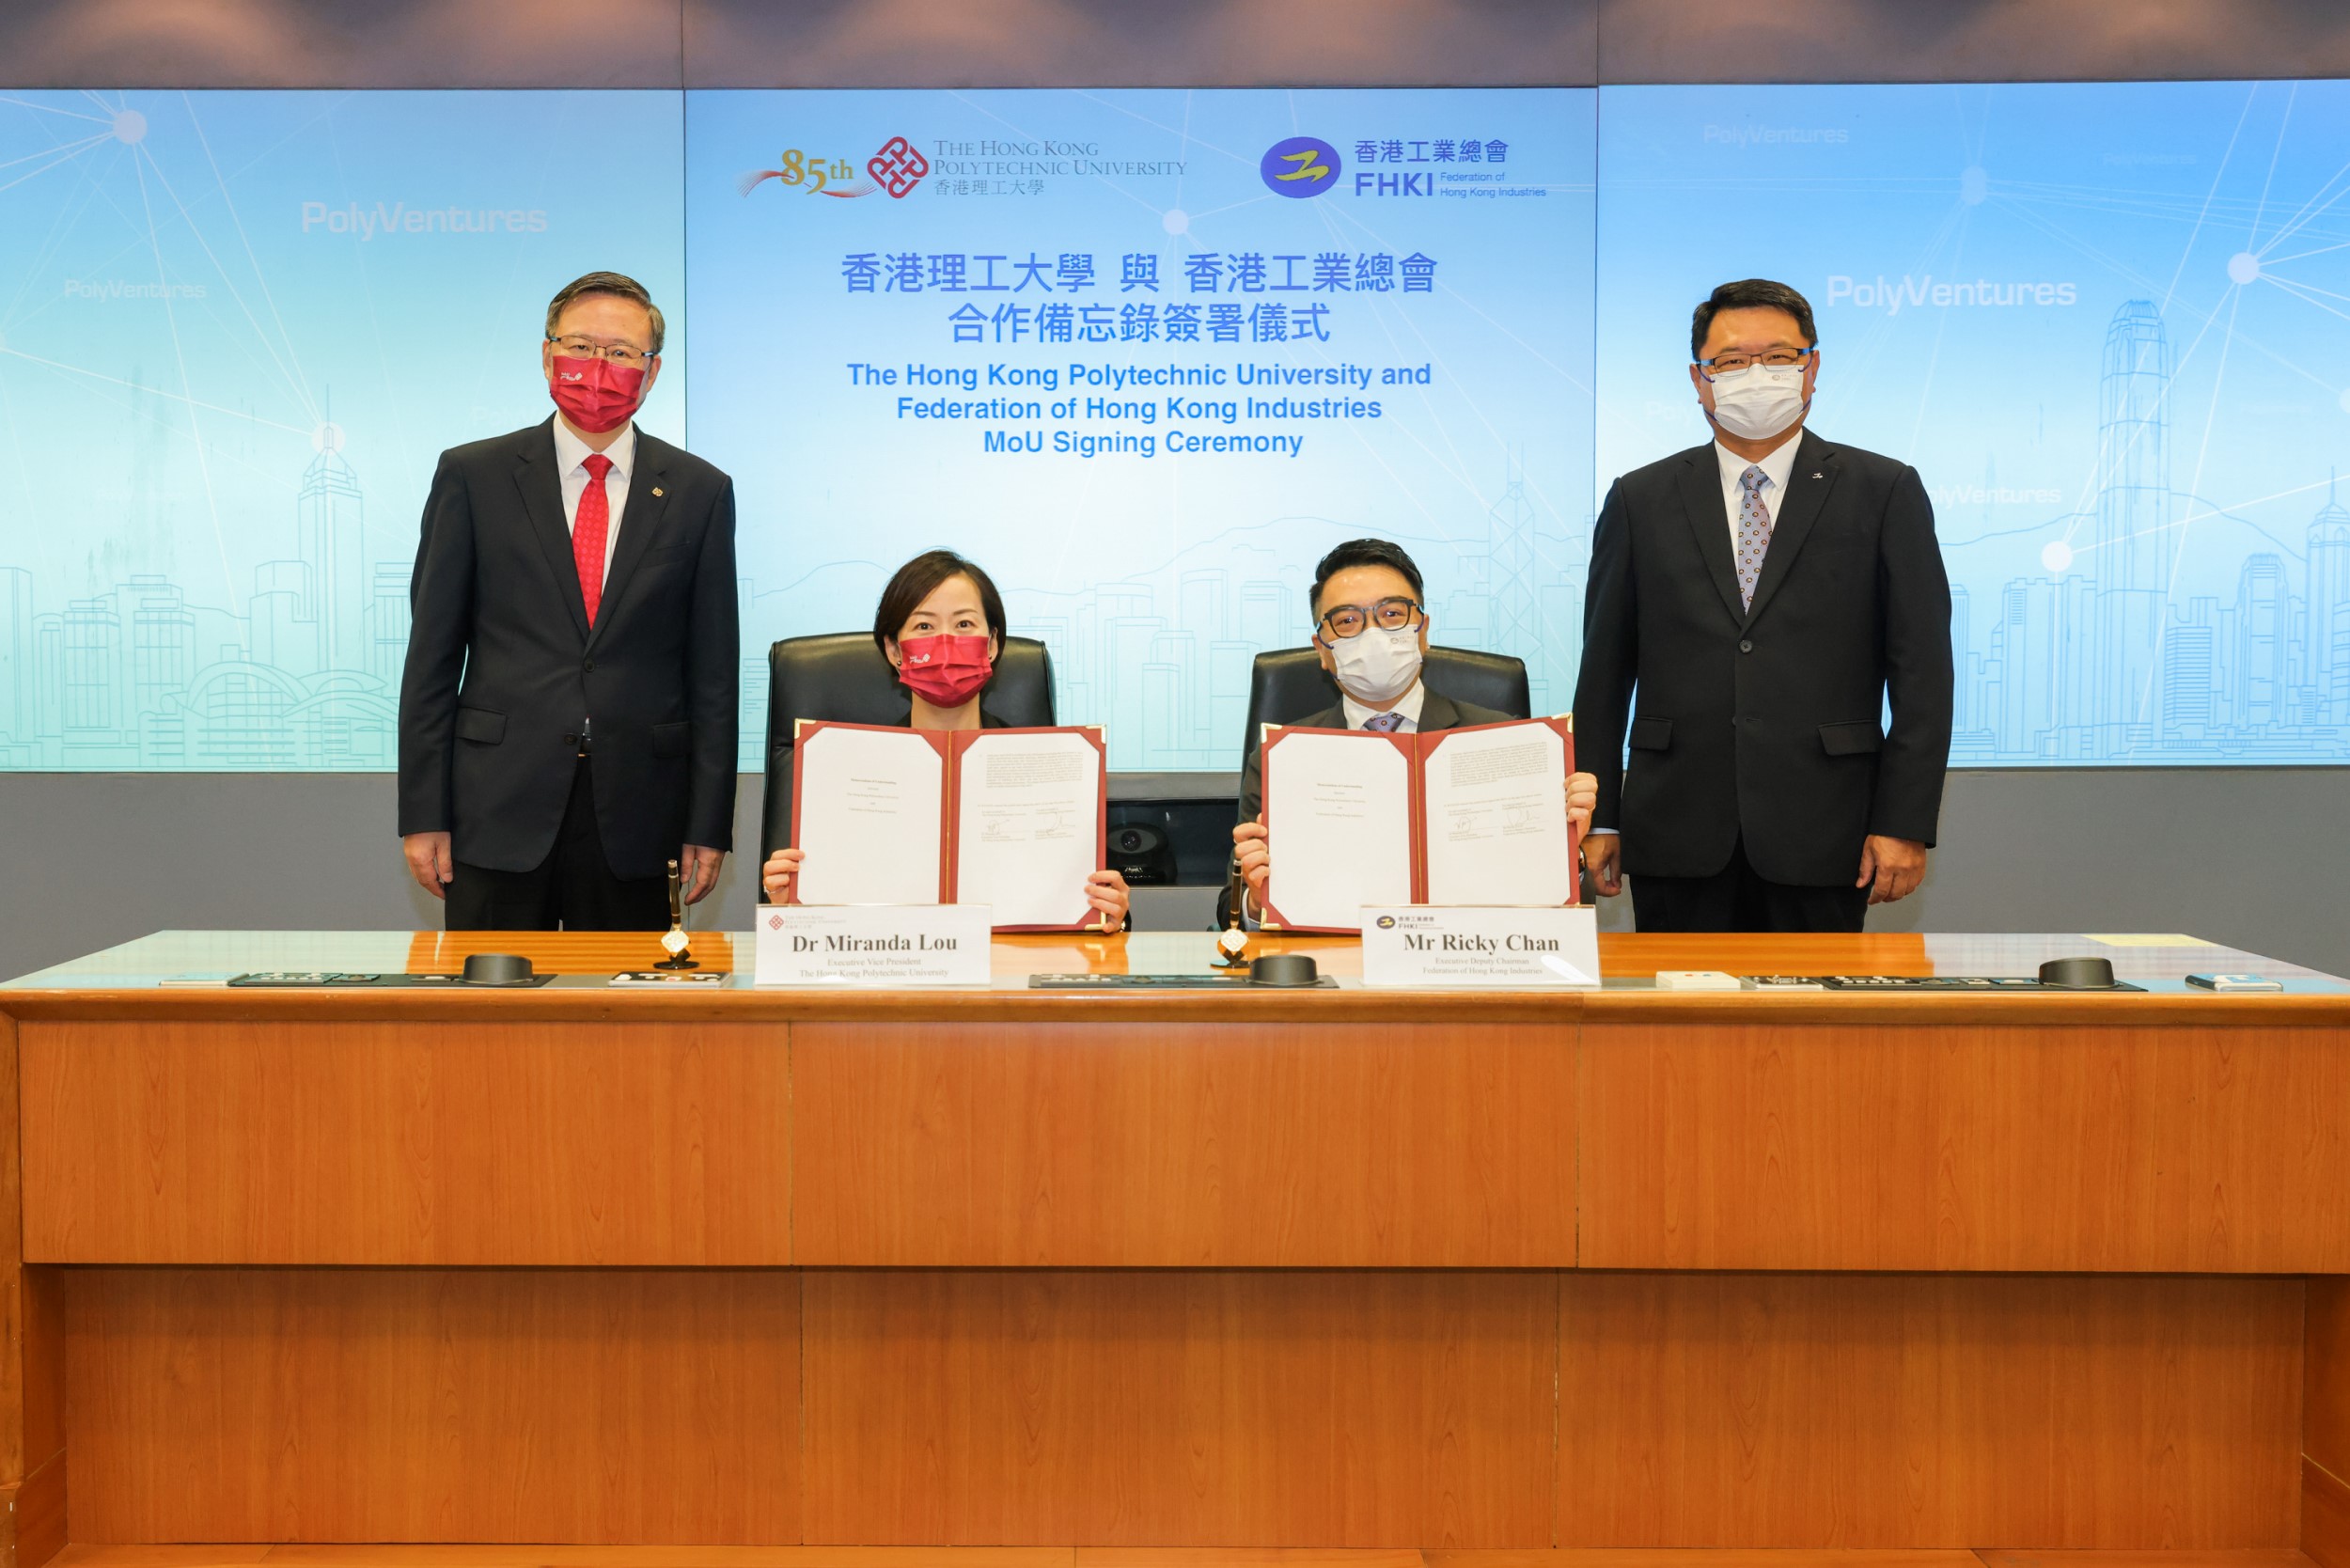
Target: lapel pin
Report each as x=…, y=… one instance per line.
x=1815, y=474
x=656, y=488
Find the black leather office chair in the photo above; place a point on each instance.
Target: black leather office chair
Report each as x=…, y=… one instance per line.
x=1287, y=684
x=843, y=678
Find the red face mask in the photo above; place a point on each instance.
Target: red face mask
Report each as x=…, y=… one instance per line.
x=595, y=394
x=944, y=671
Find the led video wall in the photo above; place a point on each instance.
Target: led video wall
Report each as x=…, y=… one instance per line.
x=1146, y=354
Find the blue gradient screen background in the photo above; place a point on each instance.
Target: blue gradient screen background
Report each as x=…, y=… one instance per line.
x=2105, y=323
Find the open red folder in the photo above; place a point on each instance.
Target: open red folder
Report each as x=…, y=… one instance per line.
x=1015, y=819
x=1470, y=816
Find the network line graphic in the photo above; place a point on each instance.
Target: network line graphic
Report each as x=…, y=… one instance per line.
x=2105, y=322
x=235, y=328
x=2137, y=643
x=2108, y=323
x=2097, y=661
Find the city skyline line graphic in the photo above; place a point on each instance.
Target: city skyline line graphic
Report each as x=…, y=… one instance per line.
x=2101, y=666
x=2106, y=664
x=209, y=591
x=1971, y=251
x=219, y=450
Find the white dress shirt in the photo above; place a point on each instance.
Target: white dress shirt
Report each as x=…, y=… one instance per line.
x=1777, y=464
x=571, y=461
x=1407, y=706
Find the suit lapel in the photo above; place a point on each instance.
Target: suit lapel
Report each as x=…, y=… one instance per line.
x=640, y=519
x=542, y=490
x=1808, y=484
x=1436, y=712
x=1701, y=500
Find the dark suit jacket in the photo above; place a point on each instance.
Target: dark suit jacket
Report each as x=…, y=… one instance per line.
x=1436, y=712
x=1766, y=722
x=503, y=668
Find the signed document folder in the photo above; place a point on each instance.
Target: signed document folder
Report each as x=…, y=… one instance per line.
x=1017, y=818
x=1470, y=816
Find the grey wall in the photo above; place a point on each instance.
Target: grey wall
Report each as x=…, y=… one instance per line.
x=2254, y=858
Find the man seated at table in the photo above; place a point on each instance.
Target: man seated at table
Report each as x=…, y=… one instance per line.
x=1371, y=631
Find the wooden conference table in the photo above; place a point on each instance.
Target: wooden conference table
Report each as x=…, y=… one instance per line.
x=1629, y=1269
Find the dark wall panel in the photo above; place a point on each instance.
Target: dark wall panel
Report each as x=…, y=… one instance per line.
x=339, y=43
x=950, y=43
x=1034, y=43
x=1970, y=41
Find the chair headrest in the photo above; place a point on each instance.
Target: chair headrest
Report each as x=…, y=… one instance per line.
x=843, y=678
x=1290, y=683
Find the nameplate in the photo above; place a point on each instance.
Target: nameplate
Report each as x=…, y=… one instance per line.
x=873, y=945
x=1467, y=947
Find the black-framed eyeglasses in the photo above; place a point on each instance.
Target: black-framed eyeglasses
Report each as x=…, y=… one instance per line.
x=1389, y=614
x=626, y=355
x=1774, y=359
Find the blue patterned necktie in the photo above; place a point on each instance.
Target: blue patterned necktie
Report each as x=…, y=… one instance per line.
x=1384, y=724
x=1754, y=532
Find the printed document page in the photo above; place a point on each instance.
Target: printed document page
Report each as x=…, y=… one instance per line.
x=1338, y=818
x=1028, y=827
x=1496, y=822
x=873, y=809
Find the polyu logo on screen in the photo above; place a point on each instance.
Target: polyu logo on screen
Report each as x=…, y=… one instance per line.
x=897, y=168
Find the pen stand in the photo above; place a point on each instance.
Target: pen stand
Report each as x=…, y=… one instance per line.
x=674, y=941
x=1231, y=943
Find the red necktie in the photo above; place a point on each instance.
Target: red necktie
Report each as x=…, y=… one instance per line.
x=587, y=530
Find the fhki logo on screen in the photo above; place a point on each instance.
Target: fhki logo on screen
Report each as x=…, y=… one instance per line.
x=1421, y=167
x=1906, y=292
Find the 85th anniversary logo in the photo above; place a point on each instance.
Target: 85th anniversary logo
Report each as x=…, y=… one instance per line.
x=897, y=168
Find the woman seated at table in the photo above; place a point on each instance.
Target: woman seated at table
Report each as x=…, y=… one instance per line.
x=941, y=625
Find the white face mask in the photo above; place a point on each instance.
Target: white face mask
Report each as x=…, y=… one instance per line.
x=1759, y=402
x=1375, y=666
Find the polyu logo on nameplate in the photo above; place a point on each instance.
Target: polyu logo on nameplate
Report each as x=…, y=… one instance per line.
x=882, y=946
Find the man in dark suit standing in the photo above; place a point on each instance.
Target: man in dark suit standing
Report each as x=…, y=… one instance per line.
x=1763, y=595
x=567, y=717
x=1370, y=630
